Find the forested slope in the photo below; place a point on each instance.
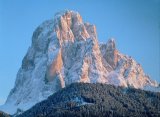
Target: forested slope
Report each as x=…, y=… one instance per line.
x=97, y=100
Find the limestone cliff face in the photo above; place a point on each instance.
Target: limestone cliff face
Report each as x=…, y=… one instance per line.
x=125, y=67
x=111, y=53
x=66, y=50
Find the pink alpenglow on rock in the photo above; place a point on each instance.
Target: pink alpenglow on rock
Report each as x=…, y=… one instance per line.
x=65, y=50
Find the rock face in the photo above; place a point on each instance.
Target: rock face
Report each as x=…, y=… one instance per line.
x=124, y=68
x=66, y=50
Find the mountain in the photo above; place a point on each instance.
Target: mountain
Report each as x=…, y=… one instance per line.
x=65, y=50
x=97, y=100
x=124, y=68
x=3, y=114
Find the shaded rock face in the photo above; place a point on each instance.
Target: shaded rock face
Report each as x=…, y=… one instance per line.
x=110, y=53
x=66, y=50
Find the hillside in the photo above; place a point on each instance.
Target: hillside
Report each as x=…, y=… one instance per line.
x=97, y=100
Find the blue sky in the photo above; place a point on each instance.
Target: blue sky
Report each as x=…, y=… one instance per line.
x=134, y=23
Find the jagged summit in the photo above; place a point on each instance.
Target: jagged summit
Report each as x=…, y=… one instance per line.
x=69, y=26
x=65, y=50
x=111, y=45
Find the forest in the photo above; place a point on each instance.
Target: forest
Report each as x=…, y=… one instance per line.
x=97, y=100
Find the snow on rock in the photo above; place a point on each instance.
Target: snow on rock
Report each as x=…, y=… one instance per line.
x=66, y=50
x=115, y=79
x=125, y=68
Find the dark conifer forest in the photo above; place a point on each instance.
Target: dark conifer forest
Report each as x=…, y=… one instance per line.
x=97, y=100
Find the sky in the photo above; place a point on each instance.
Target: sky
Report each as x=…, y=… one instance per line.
x=135, y=25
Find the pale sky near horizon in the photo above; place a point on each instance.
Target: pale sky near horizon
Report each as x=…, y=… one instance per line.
x=135, y=24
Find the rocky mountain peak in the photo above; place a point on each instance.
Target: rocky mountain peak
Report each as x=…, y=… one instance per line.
x=111, y=45
x=110, y=53
x=65, y=50
x=70, y=17
x=69, y=25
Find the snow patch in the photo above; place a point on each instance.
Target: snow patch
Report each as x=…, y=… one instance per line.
x=80, y=101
